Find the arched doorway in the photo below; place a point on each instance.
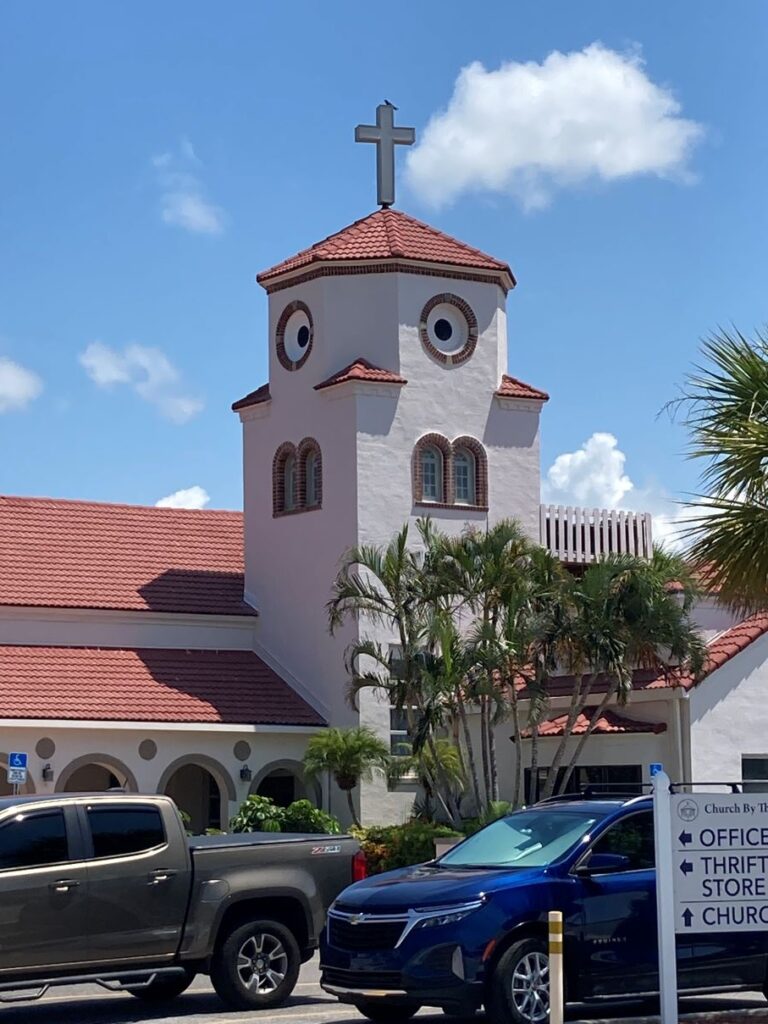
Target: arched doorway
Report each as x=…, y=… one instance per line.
x=95, y=773
x=201, y=788
x=195, y=792
x=283, y=782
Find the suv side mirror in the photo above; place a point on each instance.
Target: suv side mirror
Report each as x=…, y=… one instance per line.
x=603, y=864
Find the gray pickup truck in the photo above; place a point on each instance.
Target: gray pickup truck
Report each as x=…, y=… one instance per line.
x=108, y=888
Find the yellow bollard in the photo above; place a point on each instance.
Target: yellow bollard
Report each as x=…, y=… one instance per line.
x=556, y=986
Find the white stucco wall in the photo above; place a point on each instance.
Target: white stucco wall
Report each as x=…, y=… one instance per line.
x=117, y=744
x=729, y=716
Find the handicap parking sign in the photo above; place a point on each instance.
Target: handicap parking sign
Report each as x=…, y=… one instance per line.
x=17, y=759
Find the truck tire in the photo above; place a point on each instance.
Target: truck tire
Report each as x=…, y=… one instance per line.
x=519, y=987
x=380, y=1011
x=256, y=966
x=161, y=990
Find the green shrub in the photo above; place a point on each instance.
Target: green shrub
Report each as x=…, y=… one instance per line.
x=496, y=809
x=261, y=814
x=302, y=816
x=258, y=814
x=398, y=846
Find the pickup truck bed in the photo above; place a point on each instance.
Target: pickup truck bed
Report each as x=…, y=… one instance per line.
x=108, y=888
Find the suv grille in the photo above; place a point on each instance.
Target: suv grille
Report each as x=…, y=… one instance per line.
x=361, y=979
x=365, y=936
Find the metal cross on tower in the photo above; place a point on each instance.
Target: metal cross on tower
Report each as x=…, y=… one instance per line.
x=386, y=137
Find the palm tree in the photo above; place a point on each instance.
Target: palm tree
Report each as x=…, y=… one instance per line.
x=626, y=613
x=727, y=415
x=350, y=755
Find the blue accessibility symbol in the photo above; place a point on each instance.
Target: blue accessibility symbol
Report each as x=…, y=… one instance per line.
x=17, y=759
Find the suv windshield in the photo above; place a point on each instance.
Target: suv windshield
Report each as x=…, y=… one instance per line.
x=531, y=839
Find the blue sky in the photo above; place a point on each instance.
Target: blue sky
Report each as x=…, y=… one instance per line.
x=156, y=156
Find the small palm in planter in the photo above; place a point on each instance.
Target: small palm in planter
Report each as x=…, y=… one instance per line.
x=350, y=755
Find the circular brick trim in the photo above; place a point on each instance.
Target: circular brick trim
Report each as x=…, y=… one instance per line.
x=147, y=750
x=242, y=750
x=45, y=748
x=285, y=316
x=449, y=358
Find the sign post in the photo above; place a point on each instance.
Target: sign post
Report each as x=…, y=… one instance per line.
x=711, y=871
x=17, y=769
x=662, y=803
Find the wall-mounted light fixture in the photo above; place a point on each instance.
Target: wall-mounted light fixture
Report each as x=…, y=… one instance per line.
x=47, y=773
x=245, y=773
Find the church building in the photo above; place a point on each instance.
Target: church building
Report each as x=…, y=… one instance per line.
x=188, y=652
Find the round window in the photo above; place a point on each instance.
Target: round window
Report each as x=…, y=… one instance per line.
x=294, y=335
x=448, y=329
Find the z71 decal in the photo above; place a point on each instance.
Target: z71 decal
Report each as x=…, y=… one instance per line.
x=325, y=849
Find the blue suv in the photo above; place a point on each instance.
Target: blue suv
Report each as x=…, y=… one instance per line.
x=470, y=929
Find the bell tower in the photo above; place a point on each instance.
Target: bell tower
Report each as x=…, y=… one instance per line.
x=388, y=400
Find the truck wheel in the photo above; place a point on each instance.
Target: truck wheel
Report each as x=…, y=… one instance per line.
x=519, y=989
x=256, y=966
x=161, y=990
x=380, y=1011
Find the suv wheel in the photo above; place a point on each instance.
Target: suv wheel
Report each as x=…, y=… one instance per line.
x=382, y=1011
x=256, y=966
x=161, y=990
x=519, y=990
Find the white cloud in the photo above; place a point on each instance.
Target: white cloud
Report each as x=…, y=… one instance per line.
x=147, y=370
x=187, y=497
x=528, y=129
x=18, y=386
x=594, y=476
x=183, y=203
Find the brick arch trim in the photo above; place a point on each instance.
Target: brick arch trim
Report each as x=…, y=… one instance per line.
x=443, y=445
x=281, y=456
x=471, y=444
x=309, y=446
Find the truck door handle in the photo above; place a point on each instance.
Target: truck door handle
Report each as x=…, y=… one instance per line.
x=161, y=875
x=64, y=884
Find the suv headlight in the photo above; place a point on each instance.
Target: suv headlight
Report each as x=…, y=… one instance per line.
x=434, y=917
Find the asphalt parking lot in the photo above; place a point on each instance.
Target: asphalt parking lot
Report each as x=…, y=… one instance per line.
x=309, y=1005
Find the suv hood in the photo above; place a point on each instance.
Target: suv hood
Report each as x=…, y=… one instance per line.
x=425, y=886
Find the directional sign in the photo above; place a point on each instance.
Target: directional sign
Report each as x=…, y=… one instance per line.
x=17, y=759
x=720, y=862
x=17, y=775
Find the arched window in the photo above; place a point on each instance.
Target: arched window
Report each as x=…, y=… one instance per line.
x=310, y=470
x=310, y=482
x=432, y=468
x=431, y=474
x=289, y=484
x=470, y=473
x=284, y=480
x=464, y=477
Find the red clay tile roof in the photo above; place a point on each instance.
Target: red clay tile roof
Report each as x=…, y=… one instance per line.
x=361, y=369
x=609, y=723
x=511, y=387
x=80, y=554
x=253, y=398
x=385, y=235
x=147, y=686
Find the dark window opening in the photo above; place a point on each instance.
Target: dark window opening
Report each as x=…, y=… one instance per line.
x=302, y=336
x=443, y=329
x=120, y=831
x=280, y=787
x=29, y=841
x=622, y=779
